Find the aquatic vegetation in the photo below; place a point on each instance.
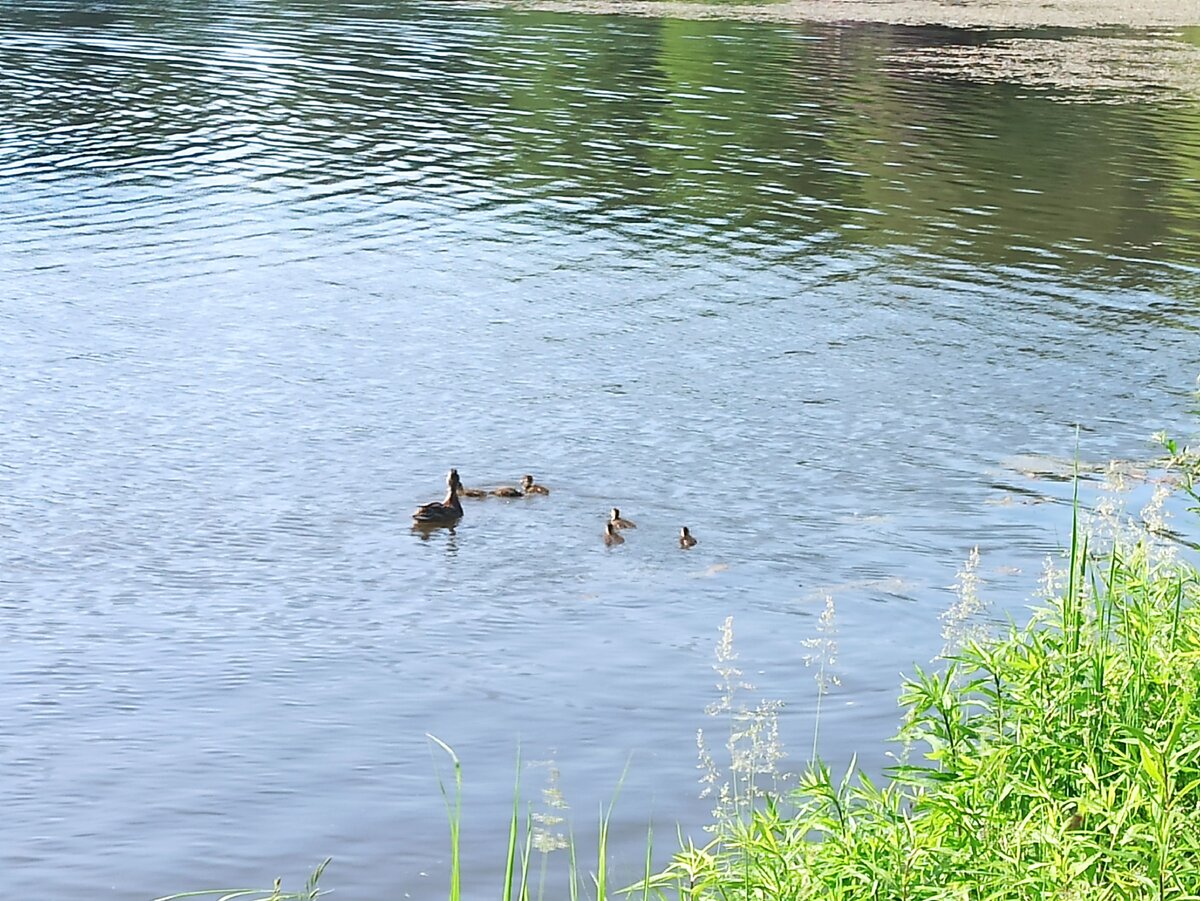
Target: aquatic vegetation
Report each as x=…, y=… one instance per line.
x=310, y=892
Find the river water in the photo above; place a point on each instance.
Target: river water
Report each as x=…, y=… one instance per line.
x=271, y=268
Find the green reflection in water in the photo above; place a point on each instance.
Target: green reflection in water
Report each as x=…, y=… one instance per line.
x=755, y=131
x=762, y=138
x=1191, y=35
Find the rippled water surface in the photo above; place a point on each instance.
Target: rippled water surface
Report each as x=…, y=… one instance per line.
x=270, y=269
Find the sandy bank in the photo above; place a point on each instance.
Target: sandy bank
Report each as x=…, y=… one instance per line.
x=1028, y=14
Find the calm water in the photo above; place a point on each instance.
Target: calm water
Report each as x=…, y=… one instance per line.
x=271, y=268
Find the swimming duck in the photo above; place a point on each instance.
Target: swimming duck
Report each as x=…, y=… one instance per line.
x=531, y=487
x=509, y=491
x=685, y=538
x=462, y=491
x=611, y=535
x=445, y=513
x=618, y=522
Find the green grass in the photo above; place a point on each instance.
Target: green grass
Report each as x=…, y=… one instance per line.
x=1059, y=759
x=310, y=892
x=522, y=837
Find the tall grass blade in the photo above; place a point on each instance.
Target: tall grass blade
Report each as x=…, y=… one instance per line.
x=513, y=830
x=454, y=811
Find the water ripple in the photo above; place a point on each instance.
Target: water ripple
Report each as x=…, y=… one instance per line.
x=272, y=269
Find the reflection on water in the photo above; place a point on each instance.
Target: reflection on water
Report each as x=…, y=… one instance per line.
x=1091, y=68
x=271, y=270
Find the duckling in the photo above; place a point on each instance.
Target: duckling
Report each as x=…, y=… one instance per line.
x=508, y=491
x=465, y=492
x=447, y=512
x=685, y=538
x=611, y=535
x=531, y=487
x=618, y=522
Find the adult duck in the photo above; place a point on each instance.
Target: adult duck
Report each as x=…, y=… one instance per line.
x=447, y=512
x=619, y=522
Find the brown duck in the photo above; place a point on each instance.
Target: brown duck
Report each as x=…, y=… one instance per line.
x=529, y=486
x=443, y=513
x=611, y=535
x=619, y=522
x=508, y=491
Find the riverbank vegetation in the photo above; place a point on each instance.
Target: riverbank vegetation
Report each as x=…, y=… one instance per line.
x=1056, y=759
